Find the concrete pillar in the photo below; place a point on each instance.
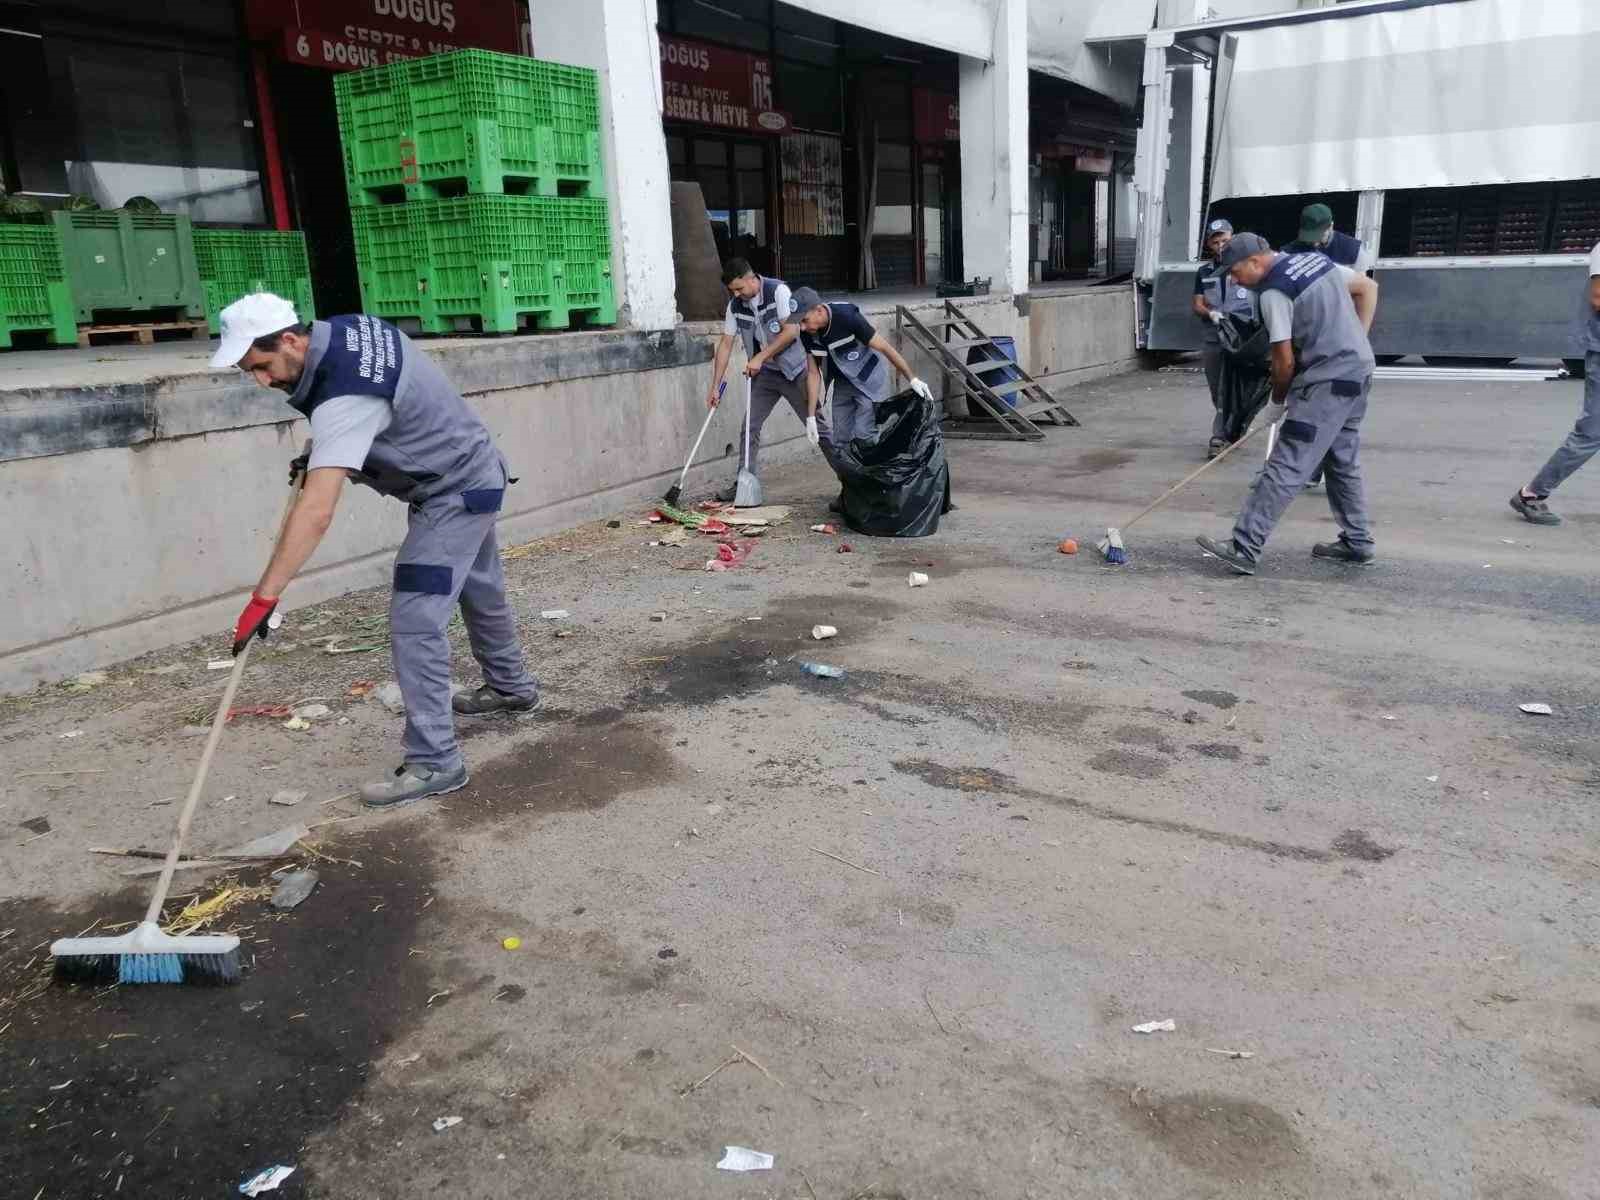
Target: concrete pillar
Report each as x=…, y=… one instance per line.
x=618, y=39
x=994, y=155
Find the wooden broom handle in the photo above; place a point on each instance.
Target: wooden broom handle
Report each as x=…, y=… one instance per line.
x=191, y=802
x=1192, y=476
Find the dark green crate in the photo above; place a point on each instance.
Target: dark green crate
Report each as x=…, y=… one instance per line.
x=33, y=285
x=471, y=121
x=121, y=263
x=495, y=263
x=235, y=262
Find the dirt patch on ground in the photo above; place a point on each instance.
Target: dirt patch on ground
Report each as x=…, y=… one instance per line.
x=178, y=1091
x=1214, y=698
x=1222, y=750
x=1223, y=1136
x=1128, y=763
x=1354, y=843
x=981, y=779
x=1143, y=735
x=585, y=766
x=1093, y=462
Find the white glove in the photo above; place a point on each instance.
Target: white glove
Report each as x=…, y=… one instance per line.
x=812, y=435
x=1216, y=317
x=922, y=390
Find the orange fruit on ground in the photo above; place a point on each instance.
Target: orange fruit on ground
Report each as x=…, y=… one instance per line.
x=1069, y=546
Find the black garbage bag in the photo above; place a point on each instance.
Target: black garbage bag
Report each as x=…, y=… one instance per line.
x=899, y=484
x=1244, y=383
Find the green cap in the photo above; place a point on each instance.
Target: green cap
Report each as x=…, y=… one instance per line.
x=1314, y=218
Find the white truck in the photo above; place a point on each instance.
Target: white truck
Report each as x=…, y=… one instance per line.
x=1459, y=139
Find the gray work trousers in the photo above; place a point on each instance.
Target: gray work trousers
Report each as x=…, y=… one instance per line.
x=766, y=390
x=854, y=414
x=450, y=557
x=1321, y=425
x=1584, y=439
x=1211, y=360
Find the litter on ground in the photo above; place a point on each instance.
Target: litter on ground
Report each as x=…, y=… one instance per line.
x=220, y=664
x=1232, y=1053
x=440, y=1124
x=1537, y=710
x=287, y=797
x=260, y=710
x=822, y=633
x=917, y=579
x=265, y=1181
x=738, y=1158
x=297, y=724
x=555, y=614
x=293, y=889
x=822, y=670
x=1167, y=1026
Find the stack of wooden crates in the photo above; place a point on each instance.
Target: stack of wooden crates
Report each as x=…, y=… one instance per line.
x=476, y=193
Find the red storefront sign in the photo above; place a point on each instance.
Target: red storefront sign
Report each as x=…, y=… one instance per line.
x=711, y=85
x=935, y=116
x=346, y=34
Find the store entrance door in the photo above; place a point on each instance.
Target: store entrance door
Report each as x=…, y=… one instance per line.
x=308, y=141
x=734, y=173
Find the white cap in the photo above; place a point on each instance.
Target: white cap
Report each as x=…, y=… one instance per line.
x=259, y=314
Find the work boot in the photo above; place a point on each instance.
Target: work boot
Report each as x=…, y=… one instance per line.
x=486, y=700
x=727, y=494
x=1229, y=553
x=412, y=781
x=1342, y=551
x=1533, y=509
x=1215, y=447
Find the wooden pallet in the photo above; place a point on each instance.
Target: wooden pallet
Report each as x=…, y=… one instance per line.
x=144, y=333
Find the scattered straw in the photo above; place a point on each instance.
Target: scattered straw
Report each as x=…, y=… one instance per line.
x=197, y=914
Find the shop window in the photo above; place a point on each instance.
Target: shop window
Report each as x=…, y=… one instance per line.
x=1543, y=218
x=810, y=95
x=170, y=125
x=815, y=250
x=730, y=22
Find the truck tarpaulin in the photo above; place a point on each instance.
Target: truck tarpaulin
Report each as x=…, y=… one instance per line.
x=1439, y=96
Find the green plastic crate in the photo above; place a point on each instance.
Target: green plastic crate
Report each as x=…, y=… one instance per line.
x=236, y=262
x=492, y=262
x=472, y=121
x=119, y=263
x=33, y=285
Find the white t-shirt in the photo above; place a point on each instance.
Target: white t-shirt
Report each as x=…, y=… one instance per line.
x=343, y=429
x=1277, y=310
x=784, y=306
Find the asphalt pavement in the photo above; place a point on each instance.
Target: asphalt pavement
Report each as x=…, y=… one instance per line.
x=895, y=929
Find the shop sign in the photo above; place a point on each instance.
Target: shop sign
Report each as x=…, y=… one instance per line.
x=346, y=34
x=711, y=85
x=935, y=116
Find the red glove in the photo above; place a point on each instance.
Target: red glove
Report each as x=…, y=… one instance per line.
x=253, y=620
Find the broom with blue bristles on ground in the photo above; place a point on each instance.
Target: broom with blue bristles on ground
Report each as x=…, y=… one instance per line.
x=146, y=953
x=1111, y=545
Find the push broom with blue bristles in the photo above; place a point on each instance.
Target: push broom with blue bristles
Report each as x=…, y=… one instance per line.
x=147, y=953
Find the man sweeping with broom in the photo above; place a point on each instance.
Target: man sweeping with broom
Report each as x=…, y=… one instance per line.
x=1317, y=315
x=383, y=414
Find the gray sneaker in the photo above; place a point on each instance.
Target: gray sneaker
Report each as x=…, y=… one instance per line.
x=1229, y=553
x=486, y=700
x=1534, y=509
x=412, y=782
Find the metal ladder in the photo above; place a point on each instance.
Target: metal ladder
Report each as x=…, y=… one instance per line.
x=1014, y=419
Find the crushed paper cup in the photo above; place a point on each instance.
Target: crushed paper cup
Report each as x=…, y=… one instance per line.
x=737, y=1158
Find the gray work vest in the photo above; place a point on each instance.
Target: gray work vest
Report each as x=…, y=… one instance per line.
x=851, y=359
x=764, y=312
x=434, y=445
x=1340, y=247
x=1230, y=298
x=1329, y=342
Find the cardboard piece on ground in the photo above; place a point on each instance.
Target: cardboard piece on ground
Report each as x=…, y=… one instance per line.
x=767, y=514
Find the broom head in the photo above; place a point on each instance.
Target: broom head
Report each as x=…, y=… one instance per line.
x=147, y=955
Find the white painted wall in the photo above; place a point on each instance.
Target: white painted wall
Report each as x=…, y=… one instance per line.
x=618, y=39
x=994, y=155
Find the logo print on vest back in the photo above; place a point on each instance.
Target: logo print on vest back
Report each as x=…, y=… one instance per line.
x=853, y=355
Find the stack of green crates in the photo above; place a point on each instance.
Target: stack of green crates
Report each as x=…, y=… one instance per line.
x=476, y=192
x=236, y=262
x=120, y=263
x=33, y=285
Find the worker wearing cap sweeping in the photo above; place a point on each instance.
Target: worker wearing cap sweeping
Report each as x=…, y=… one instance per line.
x=1217, y=297
x=774, y=361
x=383, y=414
x=1317, y=315
x=1584, y=440
x=845, y=351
